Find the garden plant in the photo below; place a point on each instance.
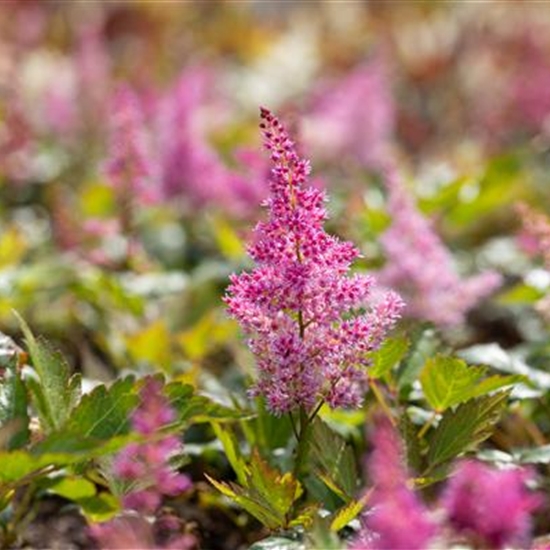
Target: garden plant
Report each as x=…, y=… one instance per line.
x=274, y=276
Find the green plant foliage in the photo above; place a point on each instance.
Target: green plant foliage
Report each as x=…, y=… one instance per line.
x=449, y=381
x=267, y=494
x=14, y=417
x=191, y=407
x=55, y=392
x=333, y=461
x=465, y=427
x=388, y=356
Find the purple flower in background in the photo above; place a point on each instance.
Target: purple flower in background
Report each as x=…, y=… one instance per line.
x=421, y=267
x=146, y=464
x=492, y=506
x=397, y=519
x=356, y=115
x=311, y=324
x=190, y=166
x=129, y=167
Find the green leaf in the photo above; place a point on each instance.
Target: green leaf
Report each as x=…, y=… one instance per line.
x=232, y=451
x=465, y=427
x=73, y=488
x=56, y=392
x=424, y=345
x=104, y=412
x=409, y=433
x=198, y=408
x=14, y=418
x=333, y=461
x=100, y=507
x=449, y=381
x=346, y=514
x=268, y=495
x=387, y=356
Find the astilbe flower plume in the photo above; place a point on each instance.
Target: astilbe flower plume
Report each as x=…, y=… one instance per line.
x=190, y=166
x=421, y=267
x=311, y=324
x=129, y=167
x=492, y=507
x=397, y=519
x=356, y=116
x=146, y=467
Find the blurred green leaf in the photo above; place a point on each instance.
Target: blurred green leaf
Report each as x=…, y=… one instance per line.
x=191, y=407
x=73, y=488
x=151, y=345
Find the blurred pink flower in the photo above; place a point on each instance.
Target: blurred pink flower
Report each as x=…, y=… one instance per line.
x=294, y=302
x=421, y=267
x=130, y=168
x=355, y=116
x=396, y=518
x=491, y=505
x=146, y=465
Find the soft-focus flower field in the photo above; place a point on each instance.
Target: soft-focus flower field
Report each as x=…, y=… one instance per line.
x=274, y=275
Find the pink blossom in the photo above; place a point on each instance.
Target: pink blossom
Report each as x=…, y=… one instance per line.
x=129, y=166
x=356, y=116
x=147, y=463
x=397, y=519
x=293, y=302
x=190, y=166
x=492, y=505
x=146, y=466
x=421, y=267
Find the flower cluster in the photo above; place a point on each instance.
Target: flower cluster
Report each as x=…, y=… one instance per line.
x=312, y=325
x=421, y=267
x=145, y=466
x=398, y=519
x=480, y=505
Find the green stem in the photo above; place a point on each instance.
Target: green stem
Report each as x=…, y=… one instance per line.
x=302, y=448
x=427, y=425
x=381, y=400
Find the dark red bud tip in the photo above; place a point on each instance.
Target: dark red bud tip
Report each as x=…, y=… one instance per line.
x=264, y=112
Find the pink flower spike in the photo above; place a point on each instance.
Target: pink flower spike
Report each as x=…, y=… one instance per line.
x=311, y=324
x=129, y=167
